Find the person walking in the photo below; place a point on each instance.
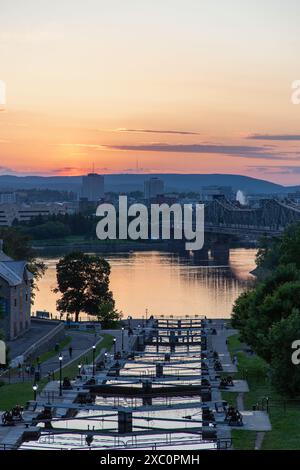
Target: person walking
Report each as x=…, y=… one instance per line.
x=70, y=351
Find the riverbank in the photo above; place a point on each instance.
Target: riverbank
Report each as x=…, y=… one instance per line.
x=81, y=243
x=284, y=413
x=72, y=243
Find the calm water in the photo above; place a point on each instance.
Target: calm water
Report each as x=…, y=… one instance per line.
x=166, y=283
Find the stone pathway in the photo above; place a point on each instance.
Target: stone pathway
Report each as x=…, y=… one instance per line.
x=259, y=440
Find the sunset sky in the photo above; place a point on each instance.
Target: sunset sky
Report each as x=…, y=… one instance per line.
x=189, y=86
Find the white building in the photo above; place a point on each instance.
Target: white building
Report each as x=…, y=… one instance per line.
x=93, y=187
x=26, y=212
x=153, y=187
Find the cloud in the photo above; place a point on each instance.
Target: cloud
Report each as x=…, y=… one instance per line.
x=278, y=170
x=86, y=146
x=243, y=151
x=279, y=137
x=6, y=169
x=156, y=131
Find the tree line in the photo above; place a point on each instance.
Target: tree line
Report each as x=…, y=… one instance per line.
x=268, y=315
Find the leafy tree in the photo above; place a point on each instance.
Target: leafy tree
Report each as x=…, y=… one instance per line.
x=50, y=230
x=285, y=374
x=108, y=315
x=283, y=250
x=83, y=281
x=268, y=316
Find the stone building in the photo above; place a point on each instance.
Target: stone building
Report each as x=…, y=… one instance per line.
x=15, y=296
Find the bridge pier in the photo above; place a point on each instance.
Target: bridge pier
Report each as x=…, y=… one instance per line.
x=220, y=252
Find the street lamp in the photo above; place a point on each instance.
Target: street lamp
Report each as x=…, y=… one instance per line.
x=105, y=357
x=60, y=358
x=34, y=388
x=122, y=338
x=115, y=345
x=94, y=353
x=79, y=369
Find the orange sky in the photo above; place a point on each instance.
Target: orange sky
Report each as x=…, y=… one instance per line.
x=150, y=86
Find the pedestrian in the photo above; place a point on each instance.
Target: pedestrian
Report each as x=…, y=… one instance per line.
x=70, y=351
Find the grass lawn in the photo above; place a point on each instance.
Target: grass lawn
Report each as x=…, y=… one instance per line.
x=285, y=434
x=20, y=393
x=71, y=370
x=47, y=355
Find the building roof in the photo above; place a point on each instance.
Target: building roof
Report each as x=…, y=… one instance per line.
x=4, y=257
x=13, y=272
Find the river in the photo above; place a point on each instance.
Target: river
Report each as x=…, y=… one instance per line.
x=166, y=283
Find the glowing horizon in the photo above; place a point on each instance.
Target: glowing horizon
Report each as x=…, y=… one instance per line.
x=144, y=86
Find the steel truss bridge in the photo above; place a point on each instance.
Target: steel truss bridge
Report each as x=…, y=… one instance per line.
x=270, y=219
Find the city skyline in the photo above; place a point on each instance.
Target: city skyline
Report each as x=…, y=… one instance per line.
x=117, y=86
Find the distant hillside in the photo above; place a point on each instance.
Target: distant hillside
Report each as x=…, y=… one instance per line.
x=132, y=182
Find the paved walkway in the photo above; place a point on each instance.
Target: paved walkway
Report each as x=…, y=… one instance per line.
x=36, y=332
x=81, y=342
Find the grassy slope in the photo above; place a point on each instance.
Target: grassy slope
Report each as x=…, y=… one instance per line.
x=285, y=432
x=20, y=393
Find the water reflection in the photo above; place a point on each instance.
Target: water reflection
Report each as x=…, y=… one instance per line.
x=167, y=283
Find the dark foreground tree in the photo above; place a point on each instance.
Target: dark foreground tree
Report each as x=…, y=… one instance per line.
x=83, y=281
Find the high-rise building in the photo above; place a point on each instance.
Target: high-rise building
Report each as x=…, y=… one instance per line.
x=153, y=187
x=93, y=187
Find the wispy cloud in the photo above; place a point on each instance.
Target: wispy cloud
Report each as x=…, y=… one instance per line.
x=280, y=137
x=156, y=131
x=243, y=151
x=86, y=146
x=277, y=170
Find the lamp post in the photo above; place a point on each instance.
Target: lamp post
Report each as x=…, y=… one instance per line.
x=94, y=353
x=34, y=388
x=60, y=358
x=79, y=369
x=115, y=345
x=105, y=357
x=122, y=339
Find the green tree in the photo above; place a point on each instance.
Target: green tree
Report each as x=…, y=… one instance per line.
x=108, y=315
x=281, y=250
x=285, y=374
x=83, y=281
x=268, y=316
